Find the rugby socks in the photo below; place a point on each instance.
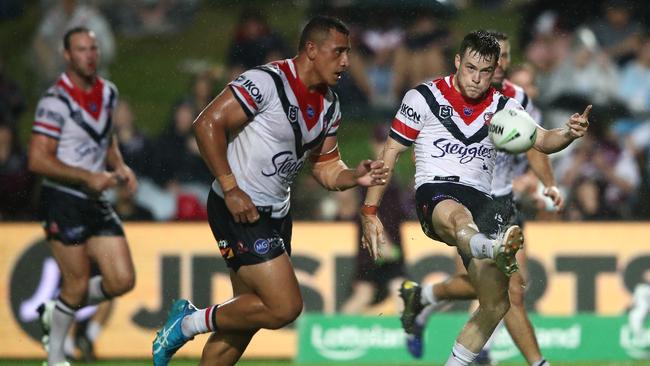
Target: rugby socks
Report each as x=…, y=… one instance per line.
x=199, y=322
x=96, y=292
x=62, y=317
x=93, y=329
x=460, y=356
x=542, y=362
x=481, y=246
x=426, y=295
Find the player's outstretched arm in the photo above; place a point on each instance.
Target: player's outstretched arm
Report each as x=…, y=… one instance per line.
x=211, y=128
x=550, y=141
x=331, y=172
x=373, y=230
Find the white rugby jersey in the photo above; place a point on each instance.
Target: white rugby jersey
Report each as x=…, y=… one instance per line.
x=286, y=122
x=450, y=133
x=81, y=122
x=509, y=166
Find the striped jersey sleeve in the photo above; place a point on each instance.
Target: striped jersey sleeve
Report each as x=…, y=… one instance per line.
x=410, y=117
x=334, y=126
x=50, y=117
x=254, y=89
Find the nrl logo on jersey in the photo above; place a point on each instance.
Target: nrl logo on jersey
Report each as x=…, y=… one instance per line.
x=293, y=114
x=445, y=111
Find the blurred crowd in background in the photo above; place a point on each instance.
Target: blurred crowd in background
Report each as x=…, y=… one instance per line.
x=571, y=55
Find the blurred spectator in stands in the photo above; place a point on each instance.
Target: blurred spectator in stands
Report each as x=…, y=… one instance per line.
x=16, y=182
x=421, y=55
x=549, y=45
x=634, y=86
x=179, y=168
x=178, y=154
x=67, y=14
x=254, y=43
x=136, y=148
x=12, y=100
x=201, y=92
x=617, y=32
x=375, y=281
x=601, y=174
x=524, y=75
x=586, y=72
x=141, y=18
x=382, y=37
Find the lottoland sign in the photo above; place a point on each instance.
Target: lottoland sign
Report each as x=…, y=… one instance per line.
x=330, y=338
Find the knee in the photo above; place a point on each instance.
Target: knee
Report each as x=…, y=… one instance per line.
x=497, y=309
x=120, y=284
x=516, y=292
x=75, y=291
x=285, y=314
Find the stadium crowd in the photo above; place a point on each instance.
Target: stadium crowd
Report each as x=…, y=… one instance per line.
x=601, y=57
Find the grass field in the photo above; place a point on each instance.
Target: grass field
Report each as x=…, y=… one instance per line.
x=189, y=362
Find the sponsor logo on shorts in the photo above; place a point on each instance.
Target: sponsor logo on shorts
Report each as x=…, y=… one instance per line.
x=223, y=244
x=262, y=246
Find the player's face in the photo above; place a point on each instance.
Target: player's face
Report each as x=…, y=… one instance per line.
x=474, y=73
x=83, y=55
x=503, y=65
x=331, y=57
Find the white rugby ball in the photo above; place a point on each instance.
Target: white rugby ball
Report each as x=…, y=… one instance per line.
x=513, y=130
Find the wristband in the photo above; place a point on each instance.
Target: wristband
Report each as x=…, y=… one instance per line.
x=227, y=182
x=369, y=209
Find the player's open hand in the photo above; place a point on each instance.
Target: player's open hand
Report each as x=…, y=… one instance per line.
x=241, y=206
x=578, y=123
x=373, y=235
x=554, y=194
x=371, y=173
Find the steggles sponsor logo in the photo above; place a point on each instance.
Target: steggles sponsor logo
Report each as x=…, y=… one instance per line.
x=351, y=342
x=637, y=345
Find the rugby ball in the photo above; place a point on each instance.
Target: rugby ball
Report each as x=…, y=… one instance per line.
x=512, y=130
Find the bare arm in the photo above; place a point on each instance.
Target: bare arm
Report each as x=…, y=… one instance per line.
x=551, y=141
x=222, y=116
x=43, y=161
x=541, y=166
x=373, y=230
x=332, y=173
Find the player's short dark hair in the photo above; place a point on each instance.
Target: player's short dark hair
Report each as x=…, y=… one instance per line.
x=500, y=36
x=481, y=42
x=70, y=33
x=318, y=28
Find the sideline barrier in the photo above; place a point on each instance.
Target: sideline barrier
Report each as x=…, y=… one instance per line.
x=574, y=268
